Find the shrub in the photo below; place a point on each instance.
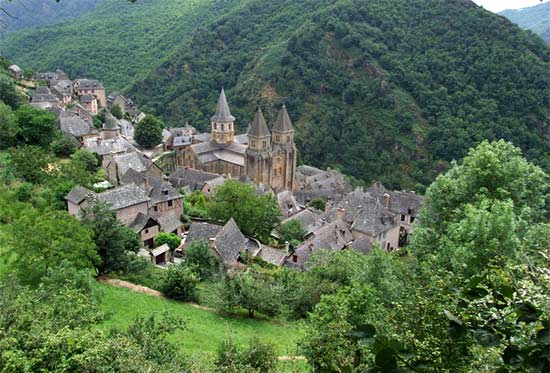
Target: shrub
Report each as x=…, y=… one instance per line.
x=63, y=146
x=180, y=283
x=171, y=239
x=201, y=260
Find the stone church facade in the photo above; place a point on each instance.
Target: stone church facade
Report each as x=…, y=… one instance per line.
x=268, y=157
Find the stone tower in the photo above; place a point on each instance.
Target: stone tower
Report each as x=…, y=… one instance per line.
x=283, y=153
x=258, y=153
x=223, y=122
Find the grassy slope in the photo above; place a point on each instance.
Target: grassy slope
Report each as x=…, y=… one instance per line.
x=117, y=42
x=205, y=329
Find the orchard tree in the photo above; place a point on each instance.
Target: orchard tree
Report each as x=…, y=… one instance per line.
x=180, y=283
x=148, y=132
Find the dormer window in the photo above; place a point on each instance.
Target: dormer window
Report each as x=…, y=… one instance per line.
x=165, y=192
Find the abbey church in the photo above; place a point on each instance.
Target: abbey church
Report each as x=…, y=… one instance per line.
x=267, y=157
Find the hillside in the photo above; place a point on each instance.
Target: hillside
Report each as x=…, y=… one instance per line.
x=33, y=13
x=388, y=90
x=117, y=42
x=536, y=19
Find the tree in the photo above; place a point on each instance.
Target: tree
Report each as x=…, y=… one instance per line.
x=113, y=240
x=116, y=111
x=317, y=203
x=250, y=291
x=86, y=159
x=148, y=132
x=199, y=257
x=37, y=127
x=171, y=239
x=258, y=356
x=257, y=215
x=180, y=283
x=293, y=232
x=64, y=146
x=9, y=128
x=29, y=163
x=43, y=241
x=8, y=93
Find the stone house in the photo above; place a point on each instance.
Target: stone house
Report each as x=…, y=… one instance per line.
x=164, y=198
x=42, y=98
x=147, y=228
x=105, y=147
x=118, y=165
x=126, y=105
x=16, y=72
x=89, y=102
x=51, y=77
x=80, y=111
x=190, y=179
x=63, y=90
x=91, y=87
x=77, y=127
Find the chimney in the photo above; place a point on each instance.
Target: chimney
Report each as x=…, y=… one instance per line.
x=340, y=213
x=287, y=247
x=328, y=205
x=386, y=200
x=212, y=243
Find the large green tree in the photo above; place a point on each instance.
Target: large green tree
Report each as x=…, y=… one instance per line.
x=37, y=127
x=113, y=240
x=148, y=132
x=9, y=128
x=256, y=215
x=8, y=93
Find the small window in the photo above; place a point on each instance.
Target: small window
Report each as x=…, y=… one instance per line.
x=147, y=231
x=294, y=259
x=169, y=203
x=402, y=217
x=288, y=138
x=412, y=219
x=156, y=208
x=215, y=126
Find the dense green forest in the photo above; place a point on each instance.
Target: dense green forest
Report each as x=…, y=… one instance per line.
x=32, y=13
x=536, y=19
x=388, y=90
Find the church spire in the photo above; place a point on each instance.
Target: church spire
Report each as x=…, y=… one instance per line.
x=222, y=110
x=283, y=122
x=259, y=127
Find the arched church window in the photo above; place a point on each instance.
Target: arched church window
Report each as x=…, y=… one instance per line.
x=288, y=138
x=222, y=126
x=215, y=126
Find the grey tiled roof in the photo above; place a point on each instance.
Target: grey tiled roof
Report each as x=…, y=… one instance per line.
x=169, y=222
x=287, y=203
x=272, y=255
x=309, y=219
x=283, y=123
x=195, y=179
x=363, y=245
x=140, y=222
x=202, y=137
x=127, y=161
x=133, y=176
x=160, y=190
x=75, y=126
x=202, y=231
x=401, y=202
x=124, y=196
x=42, y=90
x=79, y=194
x=211, y=151
x=103, y=147
x=43, y=97
x=230, y=242
x=222, y=110
x=259, y=127
x=89, y=84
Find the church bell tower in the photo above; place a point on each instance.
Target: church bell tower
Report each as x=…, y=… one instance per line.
x=223, y=130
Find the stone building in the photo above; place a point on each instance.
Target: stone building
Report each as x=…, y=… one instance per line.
x=266, y=158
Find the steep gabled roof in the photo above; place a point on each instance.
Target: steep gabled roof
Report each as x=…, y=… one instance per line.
x=124, y=196
x=79, y=194
x=283, y=122
x=258, y=128
x=222, y=110
x=230, y=241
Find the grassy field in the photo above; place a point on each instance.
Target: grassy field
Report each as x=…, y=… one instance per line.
x=205, y=330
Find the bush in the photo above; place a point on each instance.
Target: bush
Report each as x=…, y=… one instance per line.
x=317, y=203
x=116, y=111
x=63, y=146
x=180, y=283
x=87, y=159
x=201, y=260
x=23, y=192
x=257, y=357
x=171, y=239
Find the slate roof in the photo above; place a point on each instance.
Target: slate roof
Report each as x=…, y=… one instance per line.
x=160, y=250
x=75, y=126
x=182, y=141
x=168, y=222
x=309, y=219
x=160, y=191
x=127, y=161
x=202, y=137
x=195, y=179
x=108, y=146
x=259, y=127
x=89, y=84
x=15, y=68
x=202, y=231
x=222, y=110
x=230, y=242
x=43, y=97
x=401, y=202
x=272, y=255
x=287, y=203
x=79, y=194
x=283, y=123
x=140, y=222
x=42, y=90
x=211, y=151
x=363, y=245
x=111, y=123
x=332, y=236
x=242, y=139
x=124, y=196
x=133, y=176
x=87, y=98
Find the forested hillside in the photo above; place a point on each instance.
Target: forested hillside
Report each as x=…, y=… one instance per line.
x=388, y=90
x=32, y=13
x=536, y=19
x=118, y=42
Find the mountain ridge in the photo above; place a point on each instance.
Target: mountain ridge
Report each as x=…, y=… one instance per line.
x=535, y=18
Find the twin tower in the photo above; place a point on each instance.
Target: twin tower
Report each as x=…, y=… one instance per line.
x=270, y=157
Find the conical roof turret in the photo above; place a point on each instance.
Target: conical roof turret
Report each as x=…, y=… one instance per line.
x=283, y=122
x=259, y=127
x=222, y=110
